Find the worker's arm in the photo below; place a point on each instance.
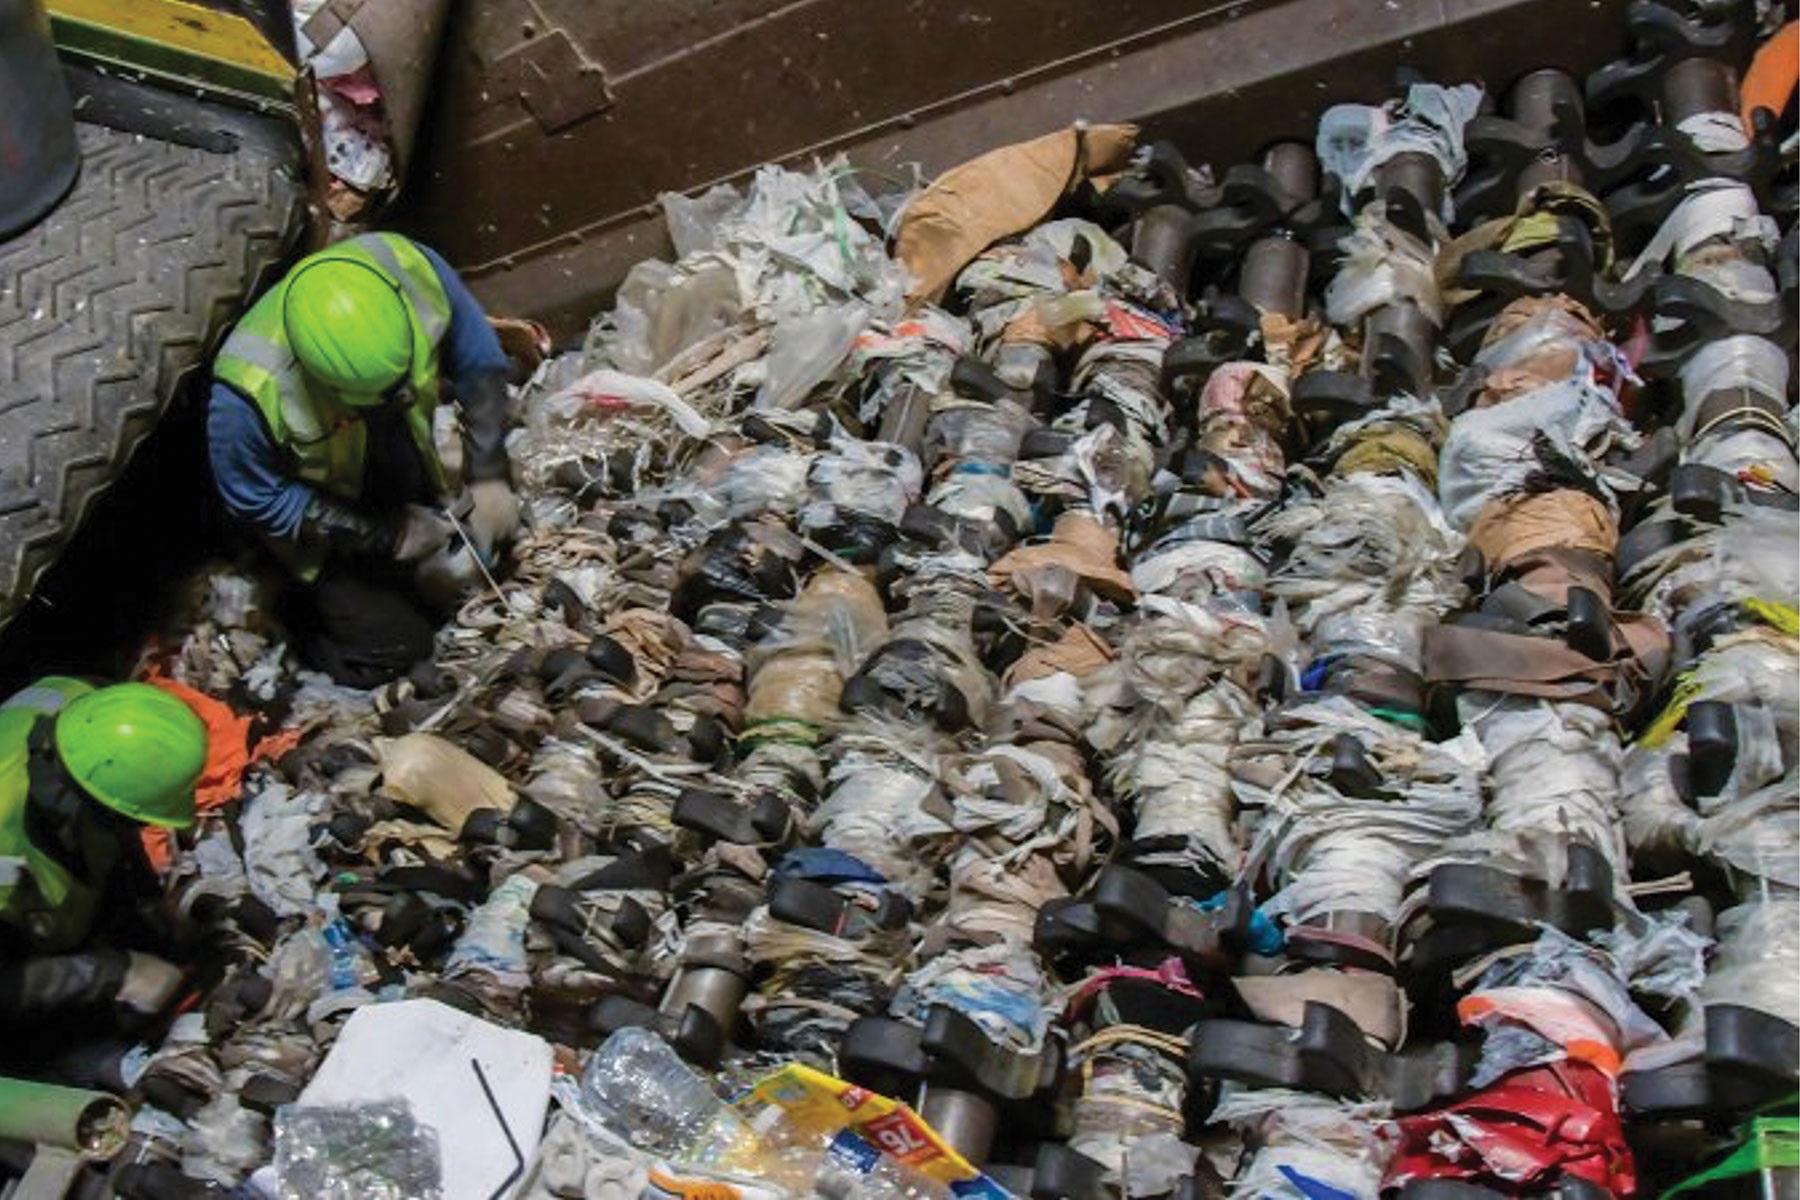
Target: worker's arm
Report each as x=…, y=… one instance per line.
x=49, y=986
x=254, y=481
x=252, y=478
x=476, y=367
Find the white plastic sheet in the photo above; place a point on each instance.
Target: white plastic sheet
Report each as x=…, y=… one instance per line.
x=484, y=1089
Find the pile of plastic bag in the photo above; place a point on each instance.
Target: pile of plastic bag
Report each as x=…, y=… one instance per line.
x=1133, y=686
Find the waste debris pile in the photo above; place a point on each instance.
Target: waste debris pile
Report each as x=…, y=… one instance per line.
x=1137, y=683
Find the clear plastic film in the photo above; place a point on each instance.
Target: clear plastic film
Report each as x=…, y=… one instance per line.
x=1177, y=776
x=1529, y=330
x=755, y=479
x=1107, y=469
x=1332, y=852
x=797, y=672
x=1750, y=454
x=1018, y=364
x=376, y=1151
x=1755, y=670
x=1757, y=833
x=1181, y=711
x=1748, y=557
x=1655, y=819
x=1354, y=139
x=1763, y=755
x=1758, y=957
x=781, y=765
x=873, y=479
x=1371, y=559
x=1573, y=968
x=1126, y=373
x=799, y=685
x=1713, y=208
x=974, y=493
x=969, y=431
x=1194, y=570
x=930, y=651
x=1173, y=653
x=1728, y=272
x=1660, y=954
x=1001, y=988
x=796, y=250
x=1130, y=1105
x=224, y=1141
x=1304, y=1142
x=881, y=776
x=808, y=349
x=565, y=778
x=1738, y=361
x=1032, y=265
x=602, y=414
x=1715, y=132
x=1553, y=773
x=921, y=347
x=1036, y=798
x=1492, y=451
x=663, y=309
x=1381, y=264
x=1751, y=560
x=1393, y=636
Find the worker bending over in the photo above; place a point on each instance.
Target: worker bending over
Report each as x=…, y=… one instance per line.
x=81, y=770
x=320, y=434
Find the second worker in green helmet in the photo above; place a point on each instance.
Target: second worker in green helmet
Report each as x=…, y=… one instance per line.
x=320, y=436
x=82, y=770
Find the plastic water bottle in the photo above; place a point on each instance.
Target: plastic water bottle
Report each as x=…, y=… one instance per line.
x=640, y=1089
x=346, y=956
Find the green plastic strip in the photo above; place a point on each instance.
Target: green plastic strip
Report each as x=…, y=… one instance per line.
x=1773, y=1143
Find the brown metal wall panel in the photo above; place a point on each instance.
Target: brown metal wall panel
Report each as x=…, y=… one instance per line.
x=564, y=214
x=702, y=91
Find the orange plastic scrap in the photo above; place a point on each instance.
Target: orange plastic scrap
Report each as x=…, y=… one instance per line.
x=230, y=750
x=1774, y=74
x=1584, y=1032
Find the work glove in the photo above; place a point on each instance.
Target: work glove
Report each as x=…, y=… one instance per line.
x=421, y=532
x=486, y=413
x=344, y=530
x=493, y=516
x=443, y=579
x=150, y=983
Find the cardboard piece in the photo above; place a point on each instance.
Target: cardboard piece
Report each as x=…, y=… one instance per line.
x=1001, y=193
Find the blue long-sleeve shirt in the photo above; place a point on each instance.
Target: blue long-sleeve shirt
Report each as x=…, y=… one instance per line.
x=251, y=472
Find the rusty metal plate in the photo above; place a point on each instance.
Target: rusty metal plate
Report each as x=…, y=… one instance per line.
x=915, y=81
x=703, y=90
x=557, y=83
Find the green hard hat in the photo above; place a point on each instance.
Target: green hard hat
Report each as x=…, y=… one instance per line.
x=135, y=749
x=349, y=327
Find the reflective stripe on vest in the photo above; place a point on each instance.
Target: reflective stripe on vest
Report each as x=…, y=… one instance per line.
x=38, y=895
x=47, y=695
